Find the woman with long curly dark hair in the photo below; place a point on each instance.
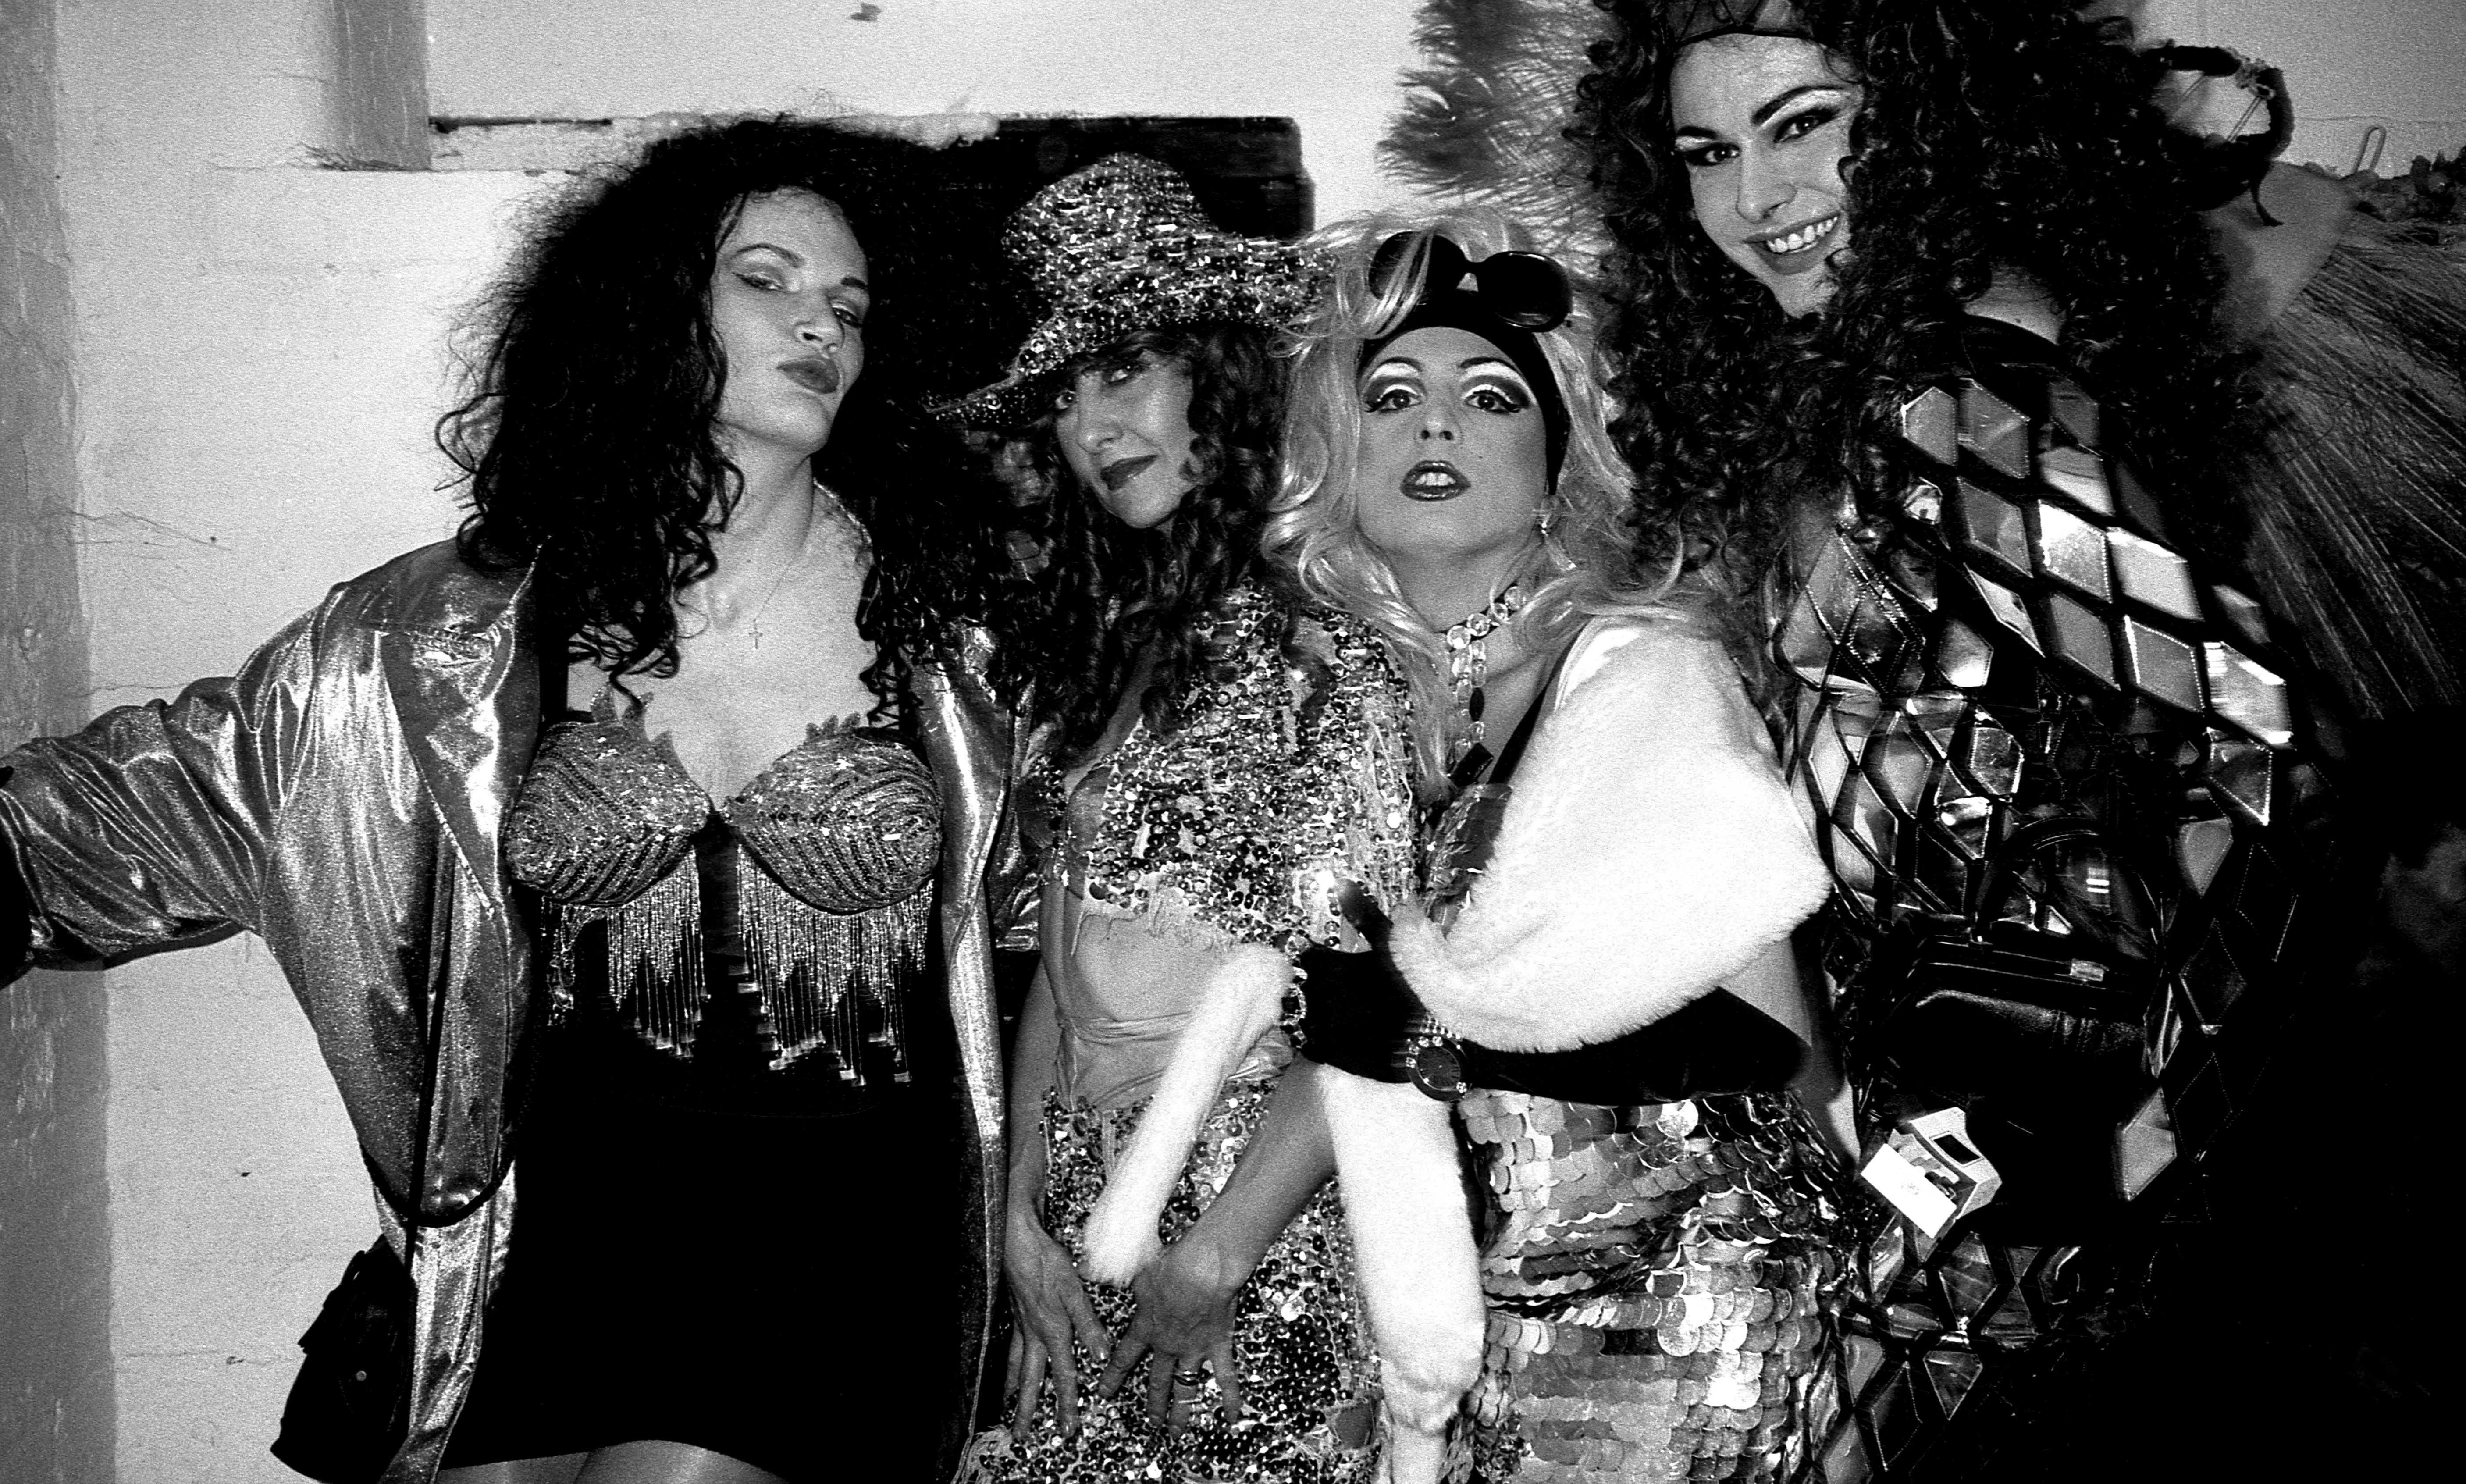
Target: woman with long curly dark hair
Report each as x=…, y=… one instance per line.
x=632, y=841
x=2006, y=164
x=1220, y=757
x=1130, y=569
x=1926, y=358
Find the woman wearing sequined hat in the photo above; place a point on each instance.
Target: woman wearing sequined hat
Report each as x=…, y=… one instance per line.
x=1219, y=755
x=628, y=850
x=1598, y=981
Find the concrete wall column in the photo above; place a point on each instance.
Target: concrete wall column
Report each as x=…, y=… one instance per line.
x=56, y=1392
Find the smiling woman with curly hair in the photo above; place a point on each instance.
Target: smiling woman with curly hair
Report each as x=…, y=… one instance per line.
x=1931, y=360
x=1968, y=161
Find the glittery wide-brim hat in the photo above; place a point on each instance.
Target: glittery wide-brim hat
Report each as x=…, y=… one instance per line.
x=1120, y=247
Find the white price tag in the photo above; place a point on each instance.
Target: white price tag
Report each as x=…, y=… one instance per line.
x=1912, y=1194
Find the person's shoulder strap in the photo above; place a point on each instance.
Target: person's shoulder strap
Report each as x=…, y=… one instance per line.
x=1512, y=753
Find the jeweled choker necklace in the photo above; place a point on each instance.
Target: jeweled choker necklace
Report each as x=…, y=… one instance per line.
x=1468, y=669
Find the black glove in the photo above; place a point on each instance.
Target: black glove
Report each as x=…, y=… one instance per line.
x=1360, y=1008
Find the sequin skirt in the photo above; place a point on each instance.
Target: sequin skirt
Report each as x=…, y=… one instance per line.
x=1660, y=1280
x=1300, y=1339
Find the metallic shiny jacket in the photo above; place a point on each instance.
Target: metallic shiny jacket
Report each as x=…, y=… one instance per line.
x=343, y=797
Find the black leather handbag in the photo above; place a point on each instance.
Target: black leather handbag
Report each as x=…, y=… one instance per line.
x=350, y=1409
x=2046, y=1038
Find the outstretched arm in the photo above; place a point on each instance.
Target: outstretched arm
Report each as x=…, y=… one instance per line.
x=151, y=827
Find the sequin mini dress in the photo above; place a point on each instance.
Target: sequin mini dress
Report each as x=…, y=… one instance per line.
x=1658, y=1277
x=735, y=1167
x=1287, y=770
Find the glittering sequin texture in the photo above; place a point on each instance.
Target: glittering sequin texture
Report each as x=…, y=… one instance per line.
x=841, y=836
x=1290, y=769
x=1300, y=1343
x=1657, y=1277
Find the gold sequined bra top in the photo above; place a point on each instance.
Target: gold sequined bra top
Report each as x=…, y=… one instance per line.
x=763, y=928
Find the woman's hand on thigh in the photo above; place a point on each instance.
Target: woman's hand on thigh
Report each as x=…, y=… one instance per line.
x=1184, y=1320
x=1049, y=1309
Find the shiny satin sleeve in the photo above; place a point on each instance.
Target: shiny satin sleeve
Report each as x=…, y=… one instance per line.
x=152, y=827
x=1014, y=872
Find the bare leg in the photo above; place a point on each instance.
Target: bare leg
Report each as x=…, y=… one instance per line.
x=558, y=1469
x=626, y=1463
x=668, y=1463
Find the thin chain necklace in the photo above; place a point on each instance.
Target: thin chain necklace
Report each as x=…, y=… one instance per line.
x=827, y=506
x=1468, y=669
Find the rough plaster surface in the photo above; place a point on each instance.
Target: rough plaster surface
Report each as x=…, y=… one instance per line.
x=42, y=664
x=55, y=1395
x=2398, y=63
x=235, y=1198
x=1331, y=67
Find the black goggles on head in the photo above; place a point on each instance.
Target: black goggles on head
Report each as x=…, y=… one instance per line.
x=1524, y=291
x=1514, y=298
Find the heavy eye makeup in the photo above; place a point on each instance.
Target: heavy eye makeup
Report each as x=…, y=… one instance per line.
x=1700, y=149
x=1391, y=388
x=767, y=269
x=1112, y=375
x=1704, y=154
x=1497, y=392
x=1397, y=387
x=1805, y=122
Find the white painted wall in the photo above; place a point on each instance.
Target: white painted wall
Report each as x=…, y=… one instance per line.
x=2398, y=63
x=1329, y=64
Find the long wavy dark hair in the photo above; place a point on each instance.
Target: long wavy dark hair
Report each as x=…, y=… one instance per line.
x=592, y=375
x=1993, y=134
x=1107, y=592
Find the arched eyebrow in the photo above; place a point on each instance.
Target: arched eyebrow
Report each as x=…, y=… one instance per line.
x=1385, y=361
x=1774, y=105
x=796, y=257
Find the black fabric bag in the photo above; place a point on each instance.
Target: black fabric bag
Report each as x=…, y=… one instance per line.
x=350, y=1409
x=1989, y=1009
x=2047, y=1039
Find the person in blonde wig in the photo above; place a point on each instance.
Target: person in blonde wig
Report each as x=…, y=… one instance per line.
x=1574, y=552
x=1597, y=993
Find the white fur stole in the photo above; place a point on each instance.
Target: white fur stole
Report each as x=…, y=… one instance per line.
x=1649, y=850
x=1412, y=1243
x=1236, y=1007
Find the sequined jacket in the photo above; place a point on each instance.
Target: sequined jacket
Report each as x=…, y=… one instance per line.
x=343, y=797
x=2018, y=650
x=2022, y=639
